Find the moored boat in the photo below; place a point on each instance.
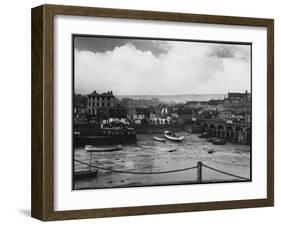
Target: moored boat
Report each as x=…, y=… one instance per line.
x=219, y=141
x=159, y=139
x=172, y=136
x=203, y=135
x=90, y=148
x=211, y=139
x=83, y=174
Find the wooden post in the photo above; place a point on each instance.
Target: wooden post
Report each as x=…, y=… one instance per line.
x=90, y=162
x=199, y=172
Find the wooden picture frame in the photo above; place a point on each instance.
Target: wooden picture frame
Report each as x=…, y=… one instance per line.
x=42, y=205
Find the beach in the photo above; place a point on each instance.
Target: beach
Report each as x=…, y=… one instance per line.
x=150, y=156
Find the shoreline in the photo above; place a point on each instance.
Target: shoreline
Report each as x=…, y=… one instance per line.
x=148, y=155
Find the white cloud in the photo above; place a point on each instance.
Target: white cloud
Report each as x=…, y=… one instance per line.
x=186, y=68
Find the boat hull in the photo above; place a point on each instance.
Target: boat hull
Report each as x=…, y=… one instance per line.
x=176, y=139
x=90, y=148
x=159, y=139
x=83, y=174
x=203, y=135
x=167, y=135
x=219, y=142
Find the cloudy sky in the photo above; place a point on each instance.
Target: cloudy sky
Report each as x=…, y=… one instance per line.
x=156, y=67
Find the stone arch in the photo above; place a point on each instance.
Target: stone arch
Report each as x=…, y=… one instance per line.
x=238, y=135
x=238, y=128
x=248, y=136
x=229, y=133
x=212, y=126
x=212, y=130
x=205, y=127
x=220, y=127
x=220, y=131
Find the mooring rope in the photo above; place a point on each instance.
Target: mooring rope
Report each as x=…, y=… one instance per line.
x=226, y=173
x=160, y=172
x=135, y=172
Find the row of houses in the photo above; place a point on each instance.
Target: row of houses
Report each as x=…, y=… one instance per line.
x=103, y=107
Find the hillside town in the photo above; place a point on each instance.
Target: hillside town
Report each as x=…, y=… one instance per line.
x=219, y=117
x=105, y=108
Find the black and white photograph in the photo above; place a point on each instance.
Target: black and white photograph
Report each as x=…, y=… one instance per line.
x=160, y=112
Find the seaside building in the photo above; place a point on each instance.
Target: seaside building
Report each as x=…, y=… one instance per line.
x=239, y=97
x=96, y=102
x=161, y=121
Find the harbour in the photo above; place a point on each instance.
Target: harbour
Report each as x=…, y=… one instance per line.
x=148, y=134
x=148, y=155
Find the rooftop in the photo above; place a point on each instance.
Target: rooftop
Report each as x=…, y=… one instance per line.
x=107, y=94
x=236, y=94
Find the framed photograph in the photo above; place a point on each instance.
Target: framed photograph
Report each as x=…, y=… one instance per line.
x=142, y=112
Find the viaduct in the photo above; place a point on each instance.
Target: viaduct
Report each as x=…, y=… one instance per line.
x=232, y=132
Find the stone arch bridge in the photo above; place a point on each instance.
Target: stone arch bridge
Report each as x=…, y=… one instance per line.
x=232, y=132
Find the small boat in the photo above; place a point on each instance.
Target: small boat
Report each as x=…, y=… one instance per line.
x=173, y=150
x=219, y=141
x=211, y=151
x=90, y=148
x=203, y=135
x=83, y=174
x=159, y=139
x=144, y=146
x=172, y=136
x=211, y=139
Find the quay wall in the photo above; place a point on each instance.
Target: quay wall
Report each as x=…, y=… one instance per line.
x=94, y=130
x=154, y=129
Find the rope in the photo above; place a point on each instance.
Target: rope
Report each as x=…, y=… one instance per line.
x=160, y=172
x=223, y=172
x=130, y=172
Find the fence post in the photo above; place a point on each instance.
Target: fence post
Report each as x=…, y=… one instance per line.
x=199, y=172
x=90, y=162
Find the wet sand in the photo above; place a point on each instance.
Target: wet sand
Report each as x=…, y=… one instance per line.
x=149, y=155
